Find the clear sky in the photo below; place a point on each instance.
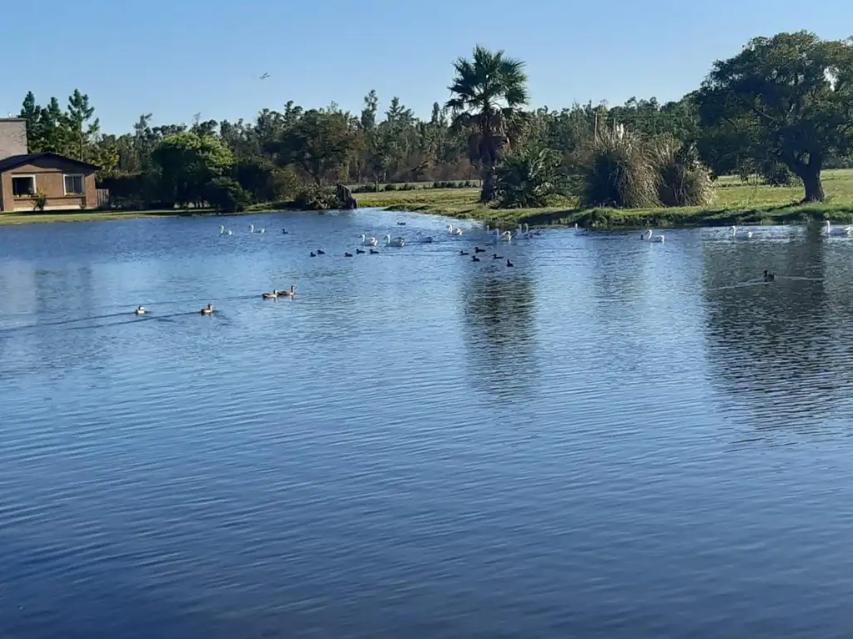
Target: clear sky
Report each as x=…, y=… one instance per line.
x=175, y=58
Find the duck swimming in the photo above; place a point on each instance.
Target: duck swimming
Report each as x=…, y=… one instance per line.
x=347, y=254
x=270, y=296
x=359, y=252
x=207, y=310
x=140, y=310
x=290, y=293
x=374, y=252
x=768, y=276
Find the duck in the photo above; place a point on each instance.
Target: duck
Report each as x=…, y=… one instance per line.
x=837, y=231
x=140, y=310
x=312, y=254
x=650, y=236
x=427, y=240
x=477, y=249
x=207, y=310
x=495, y=256
x=284, y=232
x=736, y=234
x=290, y=293
x=509, y=264
x=368, y=241
x=454, y=230
x=359, y=252
x=321, y=252
x=374, y=252
x=474, y=258
x=768, y=276
x=463, y=253
x=397, y=241
x=401, y=224
x=347, y=254
x=270, y=296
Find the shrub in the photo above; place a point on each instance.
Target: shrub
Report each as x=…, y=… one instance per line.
x=776, y=174
x=390, y=187
x=39, y=201
x=315, y=198
x=226, y=194
x=618, y=172
x=528, y=178
x=682, y=179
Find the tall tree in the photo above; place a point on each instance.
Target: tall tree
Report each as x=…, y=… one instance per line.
x=488, y=93
x=188, y=162
x=790, y=95
x=316, y=141
x=82, y=128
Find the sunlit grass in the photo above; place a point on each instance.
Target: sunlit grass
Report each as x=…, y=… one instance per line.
x=734, y=202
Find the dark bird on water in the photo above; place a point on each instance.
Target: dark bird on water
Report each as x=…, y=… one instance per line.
x=463, y=252
x=474, y=258
x=347, y=254
x=313, y=254
x=509, y=264
x=477, y=249
x=495, y=256
x=321, y=252
x=359, y=252
x=374, y=252
x=768, y=276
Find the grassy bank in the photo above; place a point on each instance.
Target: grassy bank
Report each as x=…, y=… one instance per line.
x=734, y=202
x=49, y=217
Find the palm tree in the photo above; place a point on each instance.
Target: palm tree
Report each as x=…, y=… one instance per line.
x=487, y=93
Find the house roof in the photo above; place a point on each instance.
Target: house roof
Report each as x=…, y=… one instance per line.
x=18, y=160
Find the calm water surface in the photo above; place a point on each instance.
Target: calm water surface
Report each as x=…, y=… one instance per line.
x=611, y=439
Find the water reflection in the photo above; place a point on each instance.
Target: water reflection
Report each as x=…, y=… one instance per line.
x=499, y=332
x=777, y=352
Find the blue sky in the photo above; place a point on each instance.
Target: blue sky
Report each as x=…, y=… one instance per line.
x=175, y=58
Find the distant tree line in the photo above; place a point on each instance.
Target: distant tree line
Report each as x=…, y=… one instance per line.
x=781, y=109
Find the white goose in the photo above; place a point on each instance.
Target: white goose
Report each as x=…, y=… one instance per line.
x=650, y=236
x=843, y=231
x=369, y=241
x=737, y=234
x=399, y=242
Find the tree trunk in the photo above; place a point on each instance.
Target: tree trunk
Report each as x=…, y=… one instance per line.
x=813, y=185
x=487, y=191
x=810, y=175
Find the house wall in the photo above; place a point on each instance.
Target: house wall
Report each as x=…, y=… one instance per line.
x=49, y=174
x=13, y=137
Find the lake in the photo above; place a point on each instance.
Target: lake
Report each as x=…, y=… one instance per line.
x=612, y=438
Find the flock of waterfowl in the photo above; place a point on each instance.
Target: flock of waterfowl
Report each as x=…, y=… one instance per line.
x=495, y=235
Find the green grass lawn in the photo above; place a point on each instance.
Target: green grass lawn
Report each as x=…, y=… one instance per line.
x=734, y=202
x=48, y=217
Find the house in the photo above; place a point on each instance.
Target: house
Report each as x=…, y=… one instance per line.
x=67, y=183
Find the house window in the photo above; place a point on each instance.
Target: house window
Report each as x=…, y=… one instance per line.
x=73, y=185
x=23, y=185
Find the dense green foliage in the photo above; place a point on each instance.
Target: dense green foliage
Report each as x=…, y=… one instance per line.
x=788, y=98
x=779, y=111
x=528, y=178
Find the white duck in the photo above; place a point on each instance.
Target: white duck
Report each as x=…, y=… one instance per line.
x=737, y=234
x=506, y=236
x=650, y=236
x=454, y=230
x=842, y=231
x=399, y=242
x=369, y=241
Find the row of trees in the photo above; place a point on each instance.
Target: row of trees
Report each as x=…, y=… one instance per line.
x=783, y=106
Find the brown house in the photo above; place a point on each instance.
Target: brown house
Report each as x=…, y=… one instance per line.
x=67, y=183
